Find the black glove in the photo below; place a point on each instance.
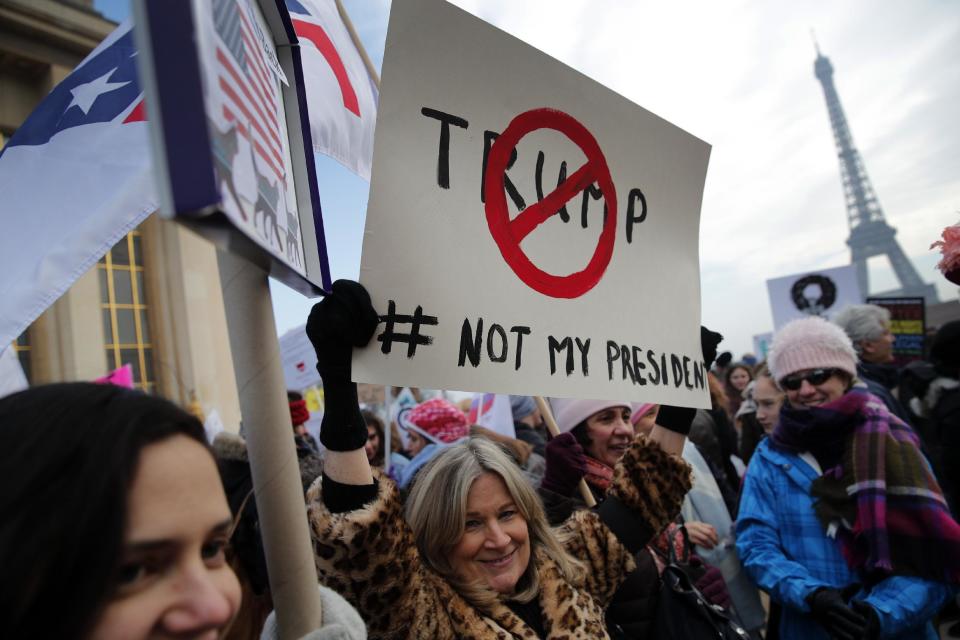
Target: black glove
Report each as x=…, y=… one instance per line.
x=872, y=631
x=344, y=319
x=833, y=614
x=679, y=419
x=676, y=419
x=709, y=340
x=566, y=465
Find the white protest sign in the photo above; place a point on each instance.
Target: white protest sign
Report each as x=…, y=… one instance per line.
x=761, y=345
x=298, y=359
x=813, y=293
x=230, y=137
x=532, y=289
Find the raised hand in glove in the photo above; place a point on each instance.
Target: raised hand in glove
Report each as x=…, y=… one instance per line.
x=344, y=319
x=679, y=419
x=709, y=340
x=836, y=616
x=566, y=465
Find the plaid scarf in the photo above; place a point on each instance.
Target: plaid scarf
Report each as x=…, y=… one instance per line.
x=877, y=494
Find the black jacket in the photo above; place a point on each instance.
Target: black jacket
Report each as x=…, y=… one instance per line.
x=632, y=613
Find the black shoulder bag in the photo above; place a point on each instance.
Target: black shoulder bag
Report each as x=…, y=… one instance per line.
x=684, y=612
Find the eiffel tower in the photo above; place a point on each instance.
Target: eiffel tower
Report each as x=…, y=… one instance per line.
x=870, y=235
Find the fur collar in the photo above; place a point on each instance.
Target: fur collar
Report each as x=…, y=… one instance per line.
x=930, y=399
x=568, y=611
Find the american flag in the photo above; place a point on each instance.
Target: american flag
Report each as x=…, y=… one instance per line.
x=250, y=92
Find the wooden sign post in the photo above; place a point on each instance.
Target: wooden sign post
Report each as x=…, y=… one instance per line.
x=273, y=457
x=554, y=430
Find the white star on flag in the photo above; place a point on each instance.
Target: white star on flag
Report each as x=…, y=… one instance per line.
x=84, y=95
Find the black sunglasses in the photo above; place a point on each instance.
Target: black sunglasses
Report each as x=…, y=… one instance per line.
x=814, y=377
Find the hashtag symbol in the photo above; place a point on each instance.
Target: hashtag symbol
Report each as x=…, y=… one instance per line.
x=412, y=339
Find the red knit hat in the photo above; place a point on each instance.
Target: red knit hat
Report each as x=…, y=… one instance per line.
x=299, y=412
x=437, y=420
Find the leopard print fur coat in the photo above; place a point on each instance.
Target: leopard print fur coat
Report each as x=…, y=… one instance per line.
x=369, y=556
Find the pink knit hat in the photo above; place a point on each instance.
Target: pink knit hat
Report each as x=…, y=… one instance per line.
x=639, y=409
x=437, y=420
x=569, y=413
x=811, y=343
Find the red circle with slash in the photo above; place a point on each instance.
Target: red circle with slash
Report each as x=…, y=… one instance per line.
x=508, y=234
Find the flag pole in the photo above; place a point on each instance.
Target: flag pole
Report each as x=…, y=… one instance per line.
x=273, y=458
x=388, y=430
x=358, y=44
x=554, y=430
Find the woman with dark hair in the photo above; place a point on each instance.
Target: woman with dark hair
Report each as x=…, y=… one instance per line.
x=374, y=446
x=590, y=444
x=716, y=438
x=841, y=519
x=735, y=380
x=113, y=521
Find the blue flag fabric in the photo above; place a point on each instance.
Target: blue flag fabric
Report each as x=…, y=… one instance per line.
x=74, y=179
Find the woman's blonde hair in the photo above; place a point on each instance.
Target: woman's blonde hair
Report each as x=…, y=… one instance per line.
x=436, y=511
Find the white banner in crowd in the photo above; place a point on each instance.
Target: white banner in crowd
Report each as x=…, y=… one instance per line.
x=813, y=293
x=492, y=410
x=298, y=359
x=475, y=126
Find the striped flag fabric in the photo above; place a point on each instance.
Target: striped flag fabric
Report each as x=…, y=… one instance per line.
x=251, y=95
x=341, y=95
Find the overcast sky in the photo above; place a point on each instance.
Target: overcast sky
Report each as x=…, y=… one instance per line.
x=739, y=75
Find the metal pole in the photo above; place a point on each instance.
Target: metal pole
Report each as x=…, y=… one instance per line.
x=273, y=458
x=359, y=45
x=387, y=401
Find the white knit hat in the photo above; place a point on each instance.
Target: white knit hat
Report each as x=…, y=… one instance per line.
x=569, y=412
x=811, y=343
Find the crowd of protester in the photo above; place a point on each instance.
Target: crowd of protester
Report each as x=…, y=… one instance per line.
x=811, y=500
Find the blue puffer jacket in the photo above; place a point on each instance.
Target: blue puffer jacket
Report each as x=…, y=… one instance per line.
x=784, y=549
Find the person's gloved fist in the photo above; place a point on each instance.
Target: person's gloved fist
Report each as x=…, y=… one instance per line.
x=566, y=465
x=709, y=340
x=872, y=630
x=344, y=319
x=836, y=616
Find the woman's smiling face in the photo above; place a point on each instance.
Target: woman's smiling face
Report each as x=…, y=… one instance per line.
x=174, y=580
x=495, y=546
x=610, y=434
x=739, y=378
